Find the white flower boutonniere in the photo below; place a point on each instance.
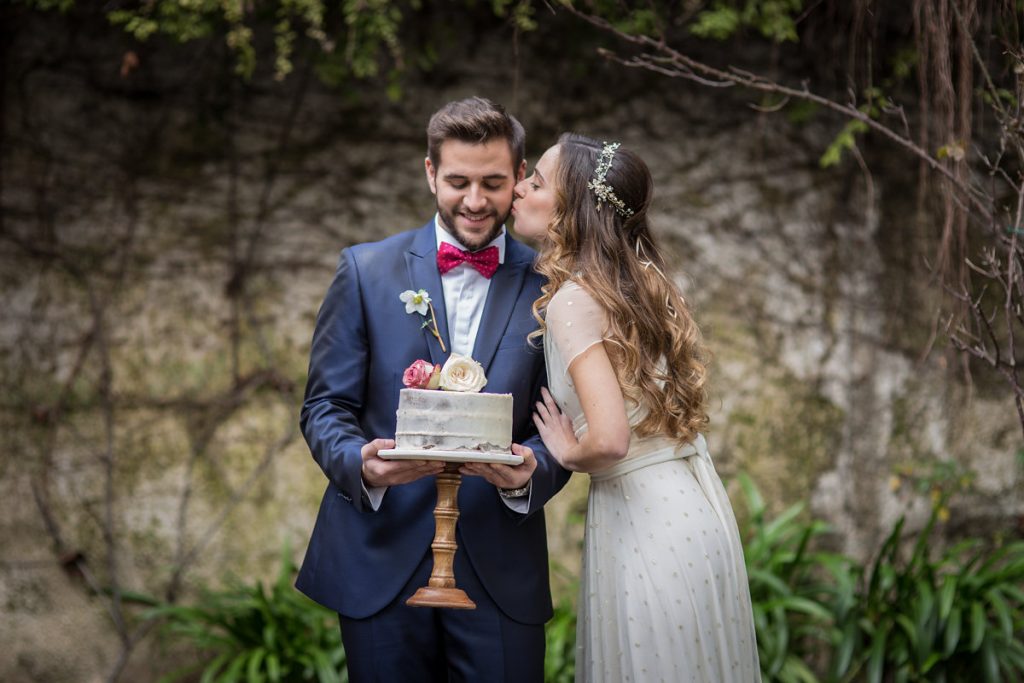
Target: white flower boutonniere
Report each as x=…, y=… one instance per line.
x=419, y=302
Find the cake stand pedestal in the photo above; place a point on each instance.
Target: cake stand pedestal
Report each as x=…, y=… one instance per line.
x=441, y=590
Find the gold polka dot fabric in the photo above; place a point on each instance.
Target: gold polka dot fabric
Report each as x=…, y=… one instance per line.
x=663, y=587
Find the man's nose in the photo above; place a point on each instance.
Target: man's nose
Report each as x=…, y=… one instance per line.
x=475, y=199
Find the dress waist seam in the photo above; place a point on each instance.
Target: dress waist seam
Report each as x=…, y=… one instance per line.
x=670, y=452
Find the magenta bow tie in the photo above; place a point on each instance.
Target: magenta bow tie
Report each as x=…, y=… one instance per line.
x=485, y=260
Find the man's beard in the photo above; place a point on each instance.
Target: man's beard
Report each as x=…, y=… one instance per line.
x=448, y=224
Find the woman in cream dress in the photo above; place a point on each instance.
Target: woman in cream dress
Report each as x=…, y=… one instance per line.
x=664, y=594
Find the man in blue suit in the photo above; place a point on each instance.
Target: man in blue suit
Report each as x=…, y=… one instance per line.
x=370, y=549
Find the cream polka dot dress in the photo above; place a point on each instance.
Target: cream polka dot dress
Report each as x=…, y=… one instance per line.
x=663, y=591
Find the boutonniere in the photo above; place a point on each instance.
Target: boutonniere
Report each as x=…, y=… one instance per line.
x=419, y=302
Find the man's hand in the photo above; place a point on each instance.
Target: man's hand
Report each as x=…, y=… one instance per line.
x=379, y=472
x=505, y=476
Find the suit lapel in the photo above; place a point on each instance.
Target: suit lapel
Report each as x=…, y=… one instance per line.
x=505, y=287
x=421, y=262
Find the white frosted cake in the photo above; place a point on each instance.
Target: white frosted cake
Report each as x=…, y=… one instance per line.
x=454, y=421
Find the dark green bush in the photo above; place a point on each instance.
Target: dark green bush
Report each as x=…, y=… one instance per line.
x=912, y=614
x=957, y=617
x=560, y=636
x=789, y=588
x=250, y=634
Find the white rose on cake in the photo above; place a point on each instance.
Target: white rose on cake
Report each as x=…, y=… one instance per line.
x=462, y=373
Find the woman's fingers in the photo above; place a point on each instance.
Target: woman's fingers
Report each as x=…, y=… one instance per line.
x=549, y=400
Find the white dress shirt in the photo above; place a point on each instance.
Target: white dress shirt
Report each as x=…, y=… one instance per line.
x=465, y=292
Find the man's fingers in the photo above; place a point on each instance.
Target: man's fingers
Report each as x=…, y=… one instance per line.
x=524, y=451
x=380, y=472
x=370, y=449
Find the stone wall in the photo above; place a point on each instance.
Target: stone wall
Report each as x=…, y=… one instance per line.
x=167, y=238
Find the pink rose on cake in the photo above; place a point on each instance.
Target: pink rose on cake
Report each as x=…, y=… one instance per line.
x=422, y=374
x=462, y=373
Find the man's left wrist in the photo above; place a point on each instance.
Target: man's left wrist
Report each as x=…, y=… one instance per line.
x=516, y=492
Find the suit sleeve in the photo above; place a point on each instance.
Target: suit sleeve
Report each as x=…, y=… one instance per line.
x=336, y=384
x=549, y=477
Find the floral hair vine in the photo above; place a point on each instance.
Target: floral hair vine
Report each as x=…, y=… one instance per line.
x=602, y=189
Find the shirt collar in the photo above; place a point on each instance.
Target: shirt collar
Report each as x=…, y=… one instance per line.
x=443, y=235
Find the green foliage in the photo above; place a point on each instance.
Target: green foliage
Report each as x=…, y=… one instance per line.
x=560, y=647
x=876, y=102
x=903, y=617
x=370, y=26
x=520, y=11
x=355, y=39
x=957, y=617
x=254, y=635
x=48, y=5
x=845, y=140
x=790, y=598
x=904, y=61
x=773, y=19
x=801, y=111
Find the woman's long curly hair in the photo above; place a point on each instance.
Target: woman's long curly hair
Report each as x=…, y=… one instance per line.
x=654, y=344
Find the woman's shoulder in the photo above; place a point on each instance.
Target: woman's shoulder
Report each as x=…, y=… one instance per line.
x=572, y=305
x=570, y=293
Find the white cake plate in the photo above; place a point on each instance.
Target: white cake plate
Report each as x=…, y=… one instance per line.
x=490, y=457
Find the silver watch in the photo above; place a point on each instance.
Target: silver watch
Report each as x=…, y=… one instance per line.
x=514, y=493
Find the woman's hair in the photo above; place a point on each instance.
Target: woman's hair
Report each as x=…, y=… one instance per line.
x=652, y=340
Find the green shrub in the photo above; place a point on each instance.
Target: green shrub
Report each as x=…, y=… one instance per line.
x=789, y=588
x=957, y=617
x=254, y=635
x=906, y=616
x=560, y=637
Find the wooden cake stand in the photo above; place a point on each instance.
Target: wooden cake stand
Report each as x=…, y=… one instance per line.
x=441, y=590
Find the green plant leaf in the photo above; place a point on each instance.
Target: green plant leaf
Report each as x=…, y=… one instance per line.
x=989, y=663
x=850, y=635
x=978, y=625
x=214, y=667
x=234, y=671
x=273, y=667
x=845, y=140
x=253, y=671
x=876, y=656
x=951, y=638
x=946, y=595
x=1002, y=610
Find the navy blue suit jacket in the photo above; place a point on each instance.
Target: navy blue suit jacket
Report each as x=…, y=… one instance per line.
x=358, y=560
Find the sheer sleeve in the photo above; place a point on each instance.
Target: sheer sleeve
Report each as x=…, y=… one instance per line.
x=575, y=321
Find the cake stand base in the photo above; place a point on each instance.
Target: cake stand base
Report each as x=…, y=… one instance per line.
x=452, y=598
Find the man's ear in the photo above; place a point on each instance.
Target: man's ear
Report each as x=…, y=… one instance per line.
x=522, y=171
x=431, y=175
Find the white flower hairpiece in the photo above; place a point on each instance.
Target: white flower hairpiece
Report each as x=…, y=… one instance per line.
x=602, y=189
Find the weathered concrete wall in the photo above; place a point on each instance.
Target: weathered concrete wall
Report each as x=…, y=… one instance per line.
x=167, y=240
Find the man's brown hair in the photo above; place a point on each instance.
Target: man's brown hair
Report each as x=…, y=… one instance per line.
x=475, y=120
